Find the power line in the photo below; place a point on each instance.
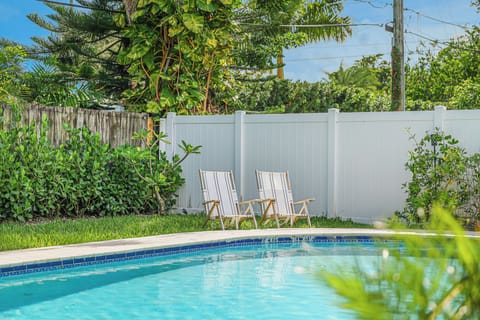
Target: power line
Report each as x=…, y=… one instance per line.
x=314, y=25
x=329, y=58
x=437, y=19
x=369, y=2
x=342, y=46
x=434, y=41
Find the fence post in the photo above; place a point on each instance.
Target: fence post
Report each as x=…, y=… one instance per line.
x=162, y=146
x=239, y=152
x=332, y=163
x=171, y=136
x=438, y=116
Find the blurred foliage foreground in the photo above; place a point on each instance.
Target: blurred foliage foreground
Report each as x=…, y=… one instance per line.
x=435, y=276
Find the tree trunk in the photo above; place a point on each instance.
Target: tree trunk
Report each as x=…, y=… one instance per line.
x=130, y=7
x=280, y=73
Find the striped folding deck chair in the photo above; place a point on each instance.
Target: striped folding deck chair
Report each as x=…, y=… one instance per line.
x=276, y=199
x=221, y=200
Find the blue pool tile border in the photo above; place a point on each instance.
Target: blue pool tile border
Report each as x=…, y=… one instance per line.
x=139, y=254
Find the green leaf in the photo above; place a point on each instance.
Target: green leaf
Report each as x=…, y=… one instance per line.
x=173, y=31
x=206, y=5
x=142, y=3
x=138, y=51
x=119, y=20
x=193, y=22
x=153, y=106
x=226, y=2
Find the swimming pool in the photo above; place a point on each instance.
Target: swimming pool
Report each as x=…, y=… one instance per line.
x=260, y=278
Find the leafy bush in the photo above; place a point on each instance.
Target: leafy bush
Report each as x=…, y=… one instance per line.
x=465, y=95
x=83, y=177
x=441, y=173
x=275, y=95
x=428, y=277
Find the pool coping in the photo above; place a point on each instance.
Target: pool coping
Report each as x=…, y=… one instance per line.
x=15, y=262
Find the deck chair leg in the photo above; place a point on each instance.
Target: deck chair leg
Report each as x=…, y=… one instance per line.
x=221, y=222
x=308, y=216
x=276, y=220
x=209, y=214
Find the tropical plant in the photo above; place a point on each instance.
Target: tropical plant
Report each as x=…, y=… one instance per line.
x=369, y=72
x=164, y=180
x=466, y=95
x=277, y=95
x=178, y=52
x=357, y=76
x=443, y=173
x=85, y=43
x=438, y=77
x=47, y=85
x=425, y=277
x=11, y=72
x=271, y=26
x=82, y=177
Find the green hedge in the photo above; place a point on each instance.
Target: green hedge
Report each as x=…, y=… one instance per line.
x=82, y=177
x=275, y=95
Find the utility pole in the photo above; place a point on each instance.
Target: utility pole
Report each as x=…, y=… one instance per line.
x=398, y=58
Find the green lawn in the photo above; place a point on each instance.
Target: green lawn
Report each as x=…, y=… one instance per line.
x=15, y=235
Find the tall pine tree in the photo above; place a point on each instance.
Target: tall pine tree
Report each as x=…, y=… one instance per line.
x=85, y=42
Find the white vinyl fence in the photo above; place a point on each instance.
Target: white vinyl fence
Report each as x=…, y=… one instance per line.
x=353, y=164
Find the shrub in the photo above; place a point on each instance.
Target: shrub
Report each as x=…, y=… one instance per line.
x=441, y=173
x=275, y=95
x=82, y=177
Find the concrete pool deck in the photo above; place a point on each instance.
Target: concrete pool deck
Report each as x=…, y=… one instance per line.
x=92, y=249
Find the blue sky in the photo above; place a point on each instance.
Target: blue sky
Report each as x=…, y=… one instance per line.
x=313, y=60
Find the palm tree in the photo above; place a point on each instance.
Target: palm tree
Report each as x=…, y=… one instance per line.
x=280, y=24
x=358, y=76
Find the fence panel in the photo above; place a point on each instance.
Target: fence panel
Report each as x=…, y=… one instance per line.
x=216, y=135
x=352, y=163
x=296, y=144
x=372, y=152
x=115, y=128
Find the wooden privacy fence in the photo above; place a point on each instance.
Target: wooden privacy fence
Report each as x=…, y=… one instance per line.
x=115, y=128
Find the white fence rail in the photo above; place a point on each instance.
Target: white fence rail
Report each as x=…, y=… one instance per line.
x=352, y=163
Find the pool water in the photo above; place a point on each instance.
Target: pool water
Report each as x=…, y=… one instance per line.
x=275, y=281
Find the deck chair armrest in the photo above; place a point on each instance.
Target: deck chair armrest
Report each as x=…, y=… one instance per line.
x=264, y=200
x=211, y=201
x=304, y=201
x=248, y=202
x=248, y=207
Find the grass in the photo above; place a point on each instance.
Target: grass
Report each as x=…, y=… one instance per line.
x=15, y=235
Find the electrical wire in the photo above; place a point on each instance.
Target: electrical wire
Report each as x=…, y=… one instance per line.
x=369, y=2
x=436, y=42
x=315, y=25
x=329, y=58
x=437, y=19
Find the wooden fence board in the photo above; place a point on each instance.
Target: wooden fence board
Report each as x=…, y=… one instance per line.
x=115, y=128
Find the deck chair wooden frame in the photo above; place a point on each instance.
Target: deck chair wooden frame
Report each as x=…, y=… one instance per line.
x=221, y=200
x=276, y=199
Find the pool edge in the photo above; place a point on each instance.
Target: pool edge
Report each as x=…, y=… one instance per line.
x=48, y=258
